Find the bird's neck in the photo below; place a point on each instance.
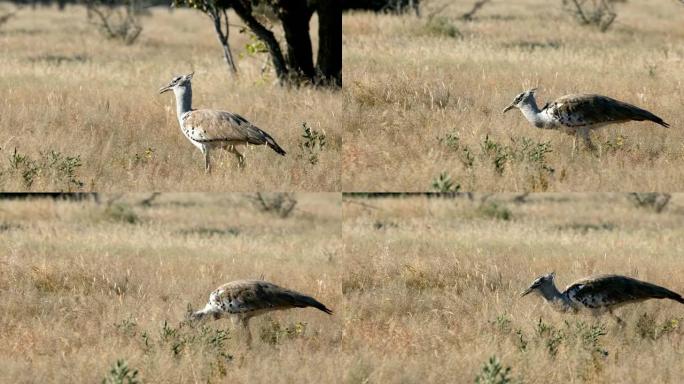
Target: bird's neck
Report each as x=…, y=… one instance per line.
x=555, y=297
x=531, y=112
x=183, y=100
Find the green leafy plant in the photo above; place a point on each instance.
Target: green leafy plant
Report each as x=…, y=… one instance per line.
x=450, y=140
x=496, y=152
x=493, y=372
x=648, y=328
x=52, y=165
x=121, y=374
x=275, y=333
x=495, y=211
x=442, y=26
x=313, y=143
x=444, y=184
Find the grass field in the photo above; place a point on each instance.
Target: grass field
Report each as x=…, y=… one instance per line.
x=80, y=112
x=423, y=290
x=425, y=97
x=436, y=289
x=84, y=285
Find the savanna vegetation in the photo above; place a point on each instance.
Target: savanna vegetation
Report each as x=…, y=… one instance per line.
x=435, y=285
x=424, y=95
x=98, y=292
x=81, y=112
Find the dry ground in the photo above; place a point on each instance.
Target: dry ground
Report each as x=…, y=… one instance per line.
x=83, y=285
x=67, y=89
x=435, y=288
x=420, y=102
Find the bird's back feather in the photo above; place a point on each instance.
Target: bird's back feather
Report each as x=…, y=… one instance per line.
x=206, y=125
x=588, y=109
x=616, y=289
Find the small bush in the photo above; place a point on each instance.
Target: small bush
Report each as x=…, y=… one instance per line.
x=494, y=210
x=648, y=328
x=121, y=212
x=599, y=14
x=118, y=23
x=444, y=184
x=313, y=144
x=496, y=152
x=274, y=333
x=210, y=232
x=652, y=200
x=121, y=374
x=493, y=372
x=51, y=165
x=442, y=26
x=451, y=141
x=280, y=204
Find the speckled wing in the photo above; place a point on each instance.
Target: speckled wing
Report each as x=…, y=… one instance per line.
x=206, y=125
x=590, y=109
x=609, y=290
x=254, y=295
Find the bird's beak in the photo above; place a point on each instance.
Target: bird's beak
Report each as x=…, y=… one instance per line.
x=525, y=292
x=164, y=89
x=508, y=108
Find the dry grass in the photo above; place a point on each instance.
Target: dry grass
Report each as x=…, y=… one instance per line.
x=82, y=287
x=409, y=84
x=423, y=290
x=436, y=283
x=67, y=89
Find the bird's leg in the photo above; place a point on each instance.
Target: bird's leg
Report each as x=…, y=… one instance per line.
x=587, y=139
x=207, y=166
x=617, y=318
x=248, y=333
x=240, y=157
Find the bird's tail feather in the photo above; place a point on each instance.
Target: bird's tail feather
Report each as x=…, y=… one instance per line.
x=308, y=301
x=642, y=114
x=664, y=293
x=271, y=143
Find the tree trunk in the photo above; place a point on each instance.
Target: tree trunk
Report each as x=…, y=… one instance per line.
x=295, y=16
x=243, y=8
x=215, y=15
x=329, y=61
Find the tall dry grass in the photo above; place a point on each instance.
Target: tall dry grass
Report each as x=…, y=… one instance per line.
x=67, y=89
x=84, y=285
x=421, y=98
x=435, y=286
x=423, y=290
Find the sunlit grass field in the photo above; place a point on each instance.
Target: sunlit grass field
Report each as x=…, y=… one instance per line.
x=424, y=97
x=81, y=112
x=436, y=288
x=84, y=285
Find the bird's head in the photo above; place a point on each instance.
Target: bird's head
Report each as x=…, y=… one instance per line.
x=521, y=99
x=539, y=283
x=177, y=82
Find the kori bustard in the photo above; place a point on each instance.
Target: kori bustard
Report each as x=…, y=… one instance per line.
x=243, y=299
x=578, y=114
x=599, y=294
x=208, y=129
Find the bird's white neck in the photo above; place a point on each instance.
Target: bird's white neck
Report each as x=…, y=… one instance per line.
x=532, y=113
x=551, y=294
x=183, y=100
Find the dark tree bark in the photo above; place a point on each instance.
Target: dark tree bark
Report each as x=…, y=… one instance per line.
x=243, y=8
x=295, y=16
x=219, y=18
x=329, y=61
